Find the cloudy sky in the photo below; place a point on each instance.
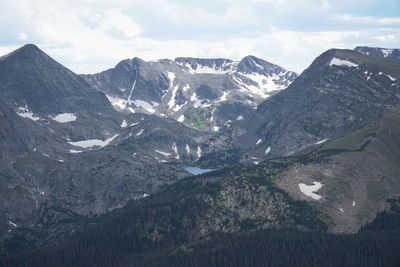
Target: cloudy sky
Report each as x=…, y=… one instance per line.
x=88, y=36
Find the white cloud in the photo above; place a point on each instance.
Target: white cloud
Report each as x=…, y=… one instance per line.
x=90, y=36
x=22, y=36
x=325, y=4
x=386, y=38
x=114, y=19
x=366, y=19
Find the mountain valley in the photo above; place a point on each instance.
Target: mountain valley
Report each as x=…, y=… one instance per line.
x=96, y=164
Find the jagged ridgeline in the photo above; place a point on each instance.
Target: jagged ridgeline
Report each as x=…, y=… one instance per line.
x=341, y=91
x=204, y=94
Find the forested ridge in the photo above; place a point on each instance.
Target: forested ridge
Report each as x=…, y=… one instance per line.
x=376, y=244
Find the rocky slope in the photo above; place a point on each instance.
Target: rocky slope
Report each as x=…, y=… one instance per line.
x=378, y=52
x=355, y=174
x=202, y=93
x=340, y=92
x=65, y=152
x=281, y=193
x=40, y=89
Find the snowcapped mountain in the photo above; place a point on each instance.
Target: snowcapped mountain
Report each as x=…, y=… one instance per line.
x=64, y=146
x=340, y=92
x=378, y=52
x=202, y=93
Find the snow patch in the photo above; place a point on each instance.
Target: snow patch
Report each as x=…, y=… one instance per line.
x=186, y=87
x=198, y=152
x=124, y=124
x=181, y=118
x=140, y=132
x=259, y=141
x=197, y=102
x=321, y=142
x=268, y=150
x=369, y=75
x=175, y=148
x=64, y=117
x=226, y=67
x=309, y=190
x=74, y=151
x=25, y=113
x=223, y=97
x=387, y=52
x=260, y=85
x=187, y=147
x=215, y=128
x=149, y=107
x=171, y=77
x=93, y=142
x=353, y=204
x=178, y=107
x=119, y=103
x=239, y=118
x=390, y=77
x=145, y=195
x=341, y=62
x=12, y=223
x=165, y=154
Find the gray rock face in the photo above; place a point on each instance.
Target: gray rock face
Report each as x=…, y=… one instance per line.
x=340, y=92
x=191, y=90
x=378, y=52
x=66, y=153
x=358, y=174
x=42, y=90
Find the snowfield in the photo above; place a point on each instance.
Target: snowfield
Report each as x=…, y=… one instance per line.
x=25, y=113
x=64, y=117
x=309, y=190
x=341, y=62
x=93, y=142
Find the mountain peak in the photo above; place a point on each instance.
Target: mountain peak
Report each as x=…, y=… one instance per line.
x=30, y=47
x=28, y=76
x=27, y=51
x=252, y=63
x=251, y=57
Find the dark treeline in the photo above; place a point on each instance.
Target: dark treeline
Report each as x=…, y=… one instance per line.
x=269, y=248
x=377, y=244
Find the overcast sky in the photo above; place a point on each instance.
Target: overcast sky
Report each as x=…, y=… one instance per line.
x=89, y=36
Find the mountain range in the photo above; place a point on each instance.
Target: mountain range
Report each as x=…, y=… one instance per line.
x=202, y=93
x=101, y=164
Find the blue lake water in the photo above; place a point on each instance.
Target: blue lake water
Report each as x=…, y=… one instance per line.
x=196, y=171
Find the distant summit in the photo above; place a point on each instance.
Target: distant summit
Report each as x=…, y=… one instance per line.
x=202, y=93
